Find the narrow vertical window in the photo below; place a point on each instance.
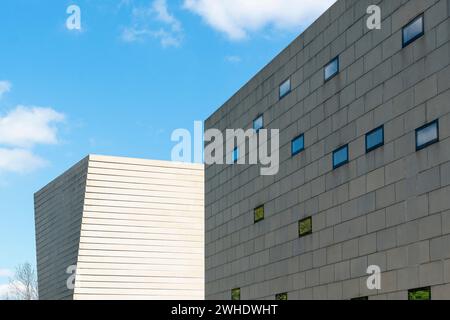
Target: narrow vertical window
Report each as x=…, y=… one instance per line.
x=258, y=123
x=331, y=69
x=305, y=227
x=297, y=145
x=236, y=294
x=340, y=157
x=258, y=214
x=235, y=155
x=413, y=30
x=285, y=88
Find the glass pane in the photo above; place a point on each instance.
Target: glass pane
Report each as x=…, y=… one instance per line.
x=420, y=294
x=258, y=123
x=259, y=213
x=305, y=227
x=235, y=155
x=413, y=30
x=340, y=156
x=298, y=144
x=285, y=88
x=374, y=139
x=281, y=296
x=331, y=69
x=427, y=135
x=236, y=294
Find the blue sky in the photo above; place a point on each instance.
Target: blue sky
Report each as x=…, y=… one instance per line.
x=136, y=71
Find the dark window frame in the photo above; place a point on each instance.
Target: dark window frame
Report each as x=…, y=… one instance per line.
x=307, y=233
x=344, y=162
x=293, y=154
x=280, y=96
x=429, y=143
x=378, y=145
x=334, y=74
x=254, y=214
x=254, y=120
x=407, y=43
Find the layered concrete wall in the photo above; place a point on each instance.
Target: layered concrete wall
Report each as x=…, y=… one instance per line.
x=141, y=235
x=389, y=207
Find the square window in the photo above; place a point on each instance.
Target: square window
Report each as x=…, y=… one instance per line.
x=281, y=296
x=258, y=123
x=259, y=213
x=427, y=135
x=375, y=139
x=236, y=294
x=331, y=69
x=285, y=88
x=340, y=157
x=413, y=30
x=420, y=294
x=297, y=145
x=235, y=155
x=305, y=227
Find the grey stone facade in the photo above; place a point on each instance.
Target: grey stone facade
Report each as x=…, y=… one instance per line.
x=389, y=207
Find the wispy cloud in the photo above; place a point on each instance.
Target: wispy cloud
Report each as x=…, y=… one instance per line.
x=233, y=59
x=5, y=86
x=21, y=129
x=238, y=18
x=154, y=22
x=5, y=273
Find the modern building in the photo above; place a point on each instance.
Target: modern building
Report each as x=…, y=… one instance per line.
x=364, y=178
x=133, y=228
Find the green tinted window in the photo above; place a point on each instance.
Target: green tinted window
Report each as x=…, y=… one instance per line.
x=305, y=227
x=281, y=296
x=236, y=294
x=420, y=294
x=259, y=213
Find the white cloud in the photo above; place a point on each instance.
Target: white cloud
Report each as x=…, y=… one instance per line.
x=5, y=273
x=20, y=161
x=154, y=22
x=27, y=126
x=233, y=59
x=5, y=86
x=20, y=130
x=238, y=18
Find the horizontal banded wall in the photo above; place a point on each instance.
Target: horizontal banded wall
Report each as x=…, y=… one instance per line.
x=142, y=233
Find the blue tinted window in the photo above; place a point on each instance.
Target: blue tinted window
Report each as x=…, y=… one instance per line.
x=332, y=69
x=427, y=135
x=285, y=88
x=375, y=139
x=340, y=157
x=258, y=123
x=298, y=145
x=413, y=30
x=235, y=155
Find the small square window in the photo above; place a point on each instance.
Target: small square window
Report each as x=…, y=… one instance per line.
x=259, y=213
x=281, y=296
x=340, y=157
x=236, y=294
x=427, y=135
x=235, y=155
x=285, y=88
x=297, y=145
x=420, y=294
x=375, y=139
x=413, y=30
x=305, y=227
x=331, y=69
x=258, y=123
